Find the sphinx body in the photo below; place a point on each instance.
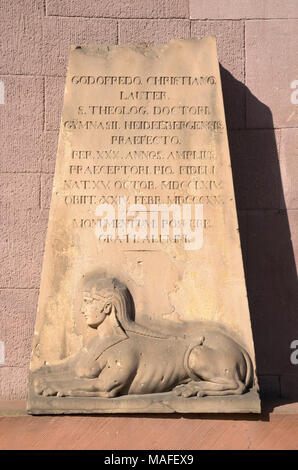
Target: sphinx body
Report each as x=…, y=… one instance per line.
x=138, y=364
x=130, y=359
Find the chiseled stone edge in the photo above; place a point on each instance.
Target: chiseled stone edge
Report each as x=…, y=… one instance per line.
x=151, y=403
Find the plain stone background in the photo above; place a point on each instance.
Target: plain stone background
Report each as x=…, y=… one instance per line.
x=257, y=46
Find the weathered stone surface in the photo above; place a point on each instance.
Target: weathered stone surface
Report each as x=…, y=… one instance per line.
x=13, y=383
x=24, y=144
x=21, y=244
x=46, y=190
x=23, y=109
x=289, y=386
x=239, y=9
x=16, y=186
x=230, y=43
x=269, y=386
x=155, y=403
x=21, y=37
x=271, y=69
x=18, y=307
x=143, y=290
x=19, y=158
x=50, y=151
x=288, y=155
x=116, y=9
x=272, y=288
x=293, y=223
x=270, y=259
x=60, y=33
x=256, y=170
x=54, y=90
x=152, y=31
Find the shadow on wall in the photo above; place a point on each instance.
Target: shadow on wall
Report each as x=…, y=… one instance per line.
x=268, y=256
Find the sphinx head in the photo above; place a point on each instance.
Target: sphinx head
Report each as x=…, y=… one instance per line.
x=95, y=308
x=105, y=297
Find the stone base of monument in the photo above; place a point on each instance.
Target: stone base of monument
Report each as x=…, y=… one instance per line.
x=151, y=403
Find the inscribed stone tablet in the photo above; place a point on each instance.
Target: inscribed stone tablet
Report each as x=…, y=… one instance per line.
x=143, y=304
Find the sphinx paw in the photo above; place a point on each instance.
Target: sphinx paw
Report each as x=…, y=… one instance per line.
x=185, y=391
x=49, y=391
x=192, y=389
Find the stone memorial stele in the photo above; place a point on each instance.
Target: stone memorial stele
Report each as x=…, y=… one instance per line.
x=143, y=305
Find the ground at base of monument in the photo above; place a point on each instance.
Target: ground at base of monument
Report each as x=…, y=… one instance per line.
x=151, y=403
x=275, y=429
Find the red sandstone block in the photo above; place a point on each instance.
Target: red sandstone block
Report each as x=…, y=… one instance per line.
x=49, y=151
x=152, y=31
x=46, y=190
x=271, y=265
x=54, y=92
x=289, y=385
x=271, y=280
x=238, y=9
x=119, y=9
x=288, y=166
x=271, y=329
x=22, y=246
x=293, y=223
x=60, y=33
x=230, y=47
x=269, y=386
x=19, y=191
x=22, y=110
x=13, y=383
x=271, y=68
x=255, y=168
x=21, y=152
x=28, y=153
x=21, y=36
x=17, y=316
x=230, y=42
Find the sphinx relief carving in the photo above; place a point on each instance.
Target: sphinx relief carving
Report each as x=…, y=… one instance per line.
x=125, y=358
